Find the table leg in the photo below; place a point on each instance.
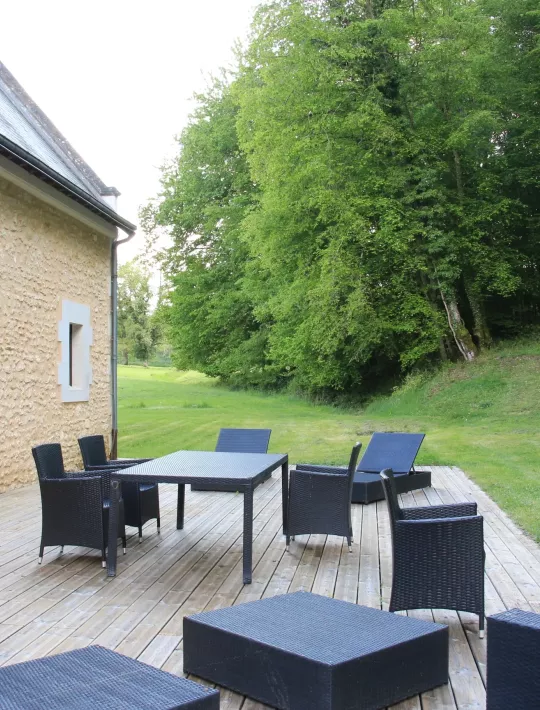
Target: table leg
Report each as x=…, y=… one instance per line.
x=112, y=539
x=248, y=535
x=285, y=495
x=180, y=508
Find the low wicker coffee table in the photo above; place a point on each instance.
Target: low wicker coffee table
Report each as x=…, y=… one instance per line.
x=95, y=678
x=306, y=652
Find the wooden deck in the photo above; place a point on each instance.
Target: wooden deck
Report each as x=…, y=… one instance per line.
x=68, y=602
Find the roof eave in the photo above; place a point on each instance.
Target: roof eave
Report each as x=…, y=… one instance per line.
x=36, y=167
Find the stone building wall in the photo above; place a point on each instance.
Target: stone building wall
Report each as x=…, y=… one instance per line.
x=47, y=257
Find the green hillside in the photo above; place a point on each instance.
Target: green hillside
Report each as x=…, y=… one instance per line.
x=483, y=417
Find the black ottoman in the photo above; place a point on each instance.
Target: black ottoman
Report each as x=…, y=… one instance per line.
x=95, y=678
x=306, y=652
x=513, y=661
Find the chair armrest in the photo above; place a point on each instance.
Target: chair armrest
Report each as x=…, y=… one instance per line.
x=74, y=474
x=320, y=469
x=101, y=474
x=317, y=477
x=128, y=462
x=441, y=540
x=109, y=466
x=432, y=512
x=82, y=483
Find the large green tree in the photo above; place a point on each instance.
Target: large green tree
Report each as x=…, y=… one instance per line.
x=362, y=197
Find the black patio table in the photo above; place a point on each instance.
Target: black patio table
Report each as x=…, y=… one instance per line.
x=246, y=471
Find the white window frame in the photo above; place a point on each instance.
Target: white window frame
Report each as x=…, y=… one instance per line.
x=77, y=314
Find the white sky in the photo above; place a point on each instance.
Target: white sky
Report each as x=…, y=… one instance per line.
x=117, y=76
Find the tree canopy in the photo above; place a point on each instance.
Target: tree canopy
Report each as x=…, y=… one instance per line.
x=361, y=196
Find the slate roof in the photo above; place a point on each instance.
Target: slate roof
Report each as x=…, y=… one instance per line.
x=32, y=140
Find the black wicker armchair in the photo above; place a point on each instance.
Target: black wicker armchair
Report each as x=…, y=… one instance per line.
x=438, y=555
x=141, y=500
x=74, y=504
x=320, y=501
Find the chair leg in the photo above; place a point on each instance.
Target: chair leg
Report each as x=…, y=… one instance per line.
x=140, y=533
x=41, y=548
x=349, y=543
x=103, y=557
x=287, y=543
x=124, y=544
x=159, y=526
x=481, y=632
x=61, y=549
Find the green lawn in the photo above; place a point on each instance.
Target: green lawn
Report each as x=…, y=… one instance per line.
x=483, y=417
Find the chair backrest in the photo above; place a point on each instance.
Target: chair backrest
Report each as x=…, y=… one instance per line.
x=391, y=450
x=390, y=493
x=244, y=441
x=351, y=468
x=93, y=450
x=49, y=461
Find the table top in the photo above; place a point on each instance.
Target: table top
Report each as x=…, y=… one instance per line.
x=91, y=678
x=323, y=629
x=193, y=466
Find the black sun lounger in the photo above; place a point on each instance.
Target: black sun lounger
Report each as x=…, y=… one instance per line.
x=389, y=450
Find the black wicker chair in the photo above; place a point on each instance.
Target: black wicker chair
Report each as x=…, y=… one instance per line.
x=438, y=555
x=237, y=441
x=141, y=500
x=320, y=501
x=74, y=504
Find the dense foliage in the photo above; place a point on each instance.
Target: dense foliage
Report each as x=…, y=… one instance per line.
x=362, y=196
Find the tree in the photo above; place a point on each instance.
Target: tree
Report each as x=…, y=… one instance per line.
x=327, y=142
x=361, y=197
x=138, y=331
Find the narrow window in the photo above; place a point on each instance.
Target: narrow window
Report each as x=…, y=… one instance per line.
x=76, y=338
x=71, y=354
x=75, y=355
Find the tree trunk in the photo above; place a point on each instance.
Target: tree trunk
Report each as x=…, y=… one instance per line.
x=126, y=356
x=461, y=335
x=481, y=328
x=442, y=350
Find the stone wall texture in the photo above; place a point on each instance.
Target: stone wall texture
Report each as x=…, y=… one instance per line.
x=46, y=257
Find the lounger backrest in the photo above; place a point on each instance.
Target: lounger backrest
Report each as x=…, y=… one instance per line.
x=391, y=450
x=244, y=441
x=93, y=450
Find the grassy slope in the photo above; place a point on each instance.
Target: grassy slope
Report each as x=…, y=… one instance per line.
x=482, y=417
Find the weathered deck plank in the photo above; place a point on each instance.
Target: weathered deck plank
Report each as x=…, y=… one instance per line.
x=68, y=602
